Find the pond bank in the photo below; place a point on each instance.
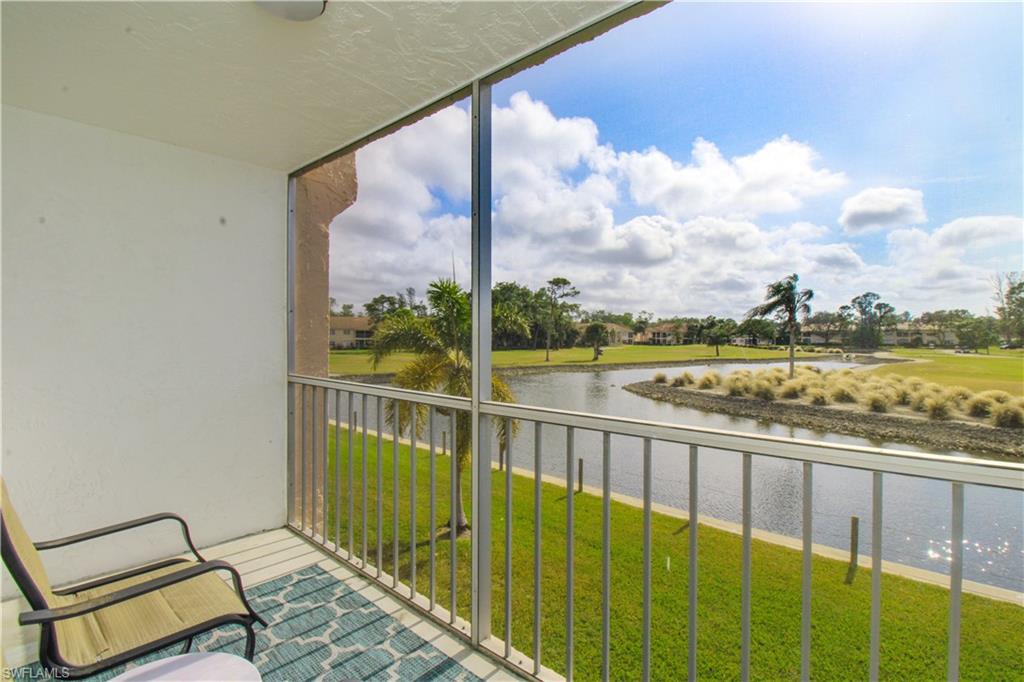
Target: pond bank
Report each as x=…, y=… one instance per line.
x=943, y=435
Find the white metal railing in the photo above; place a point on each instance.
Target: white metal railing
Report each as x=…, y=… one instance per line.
x=309, y=399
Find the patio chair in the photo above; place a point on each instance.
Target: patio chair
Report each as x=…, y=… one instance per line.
x=96, y=625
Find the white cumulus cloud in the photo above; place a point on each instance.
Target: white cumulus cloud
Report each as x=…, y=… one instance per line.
x=880, y=208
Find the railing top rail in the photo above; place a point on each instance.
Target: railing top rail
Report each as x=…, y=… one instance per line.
x=999, y=473
x=436, y=399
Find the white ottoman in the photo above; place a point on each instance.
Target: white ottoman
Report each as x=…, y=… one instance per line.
x=205, y=667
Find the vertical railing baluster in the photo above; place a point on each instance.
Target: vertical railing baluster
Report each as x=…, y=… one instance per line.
x=453, y=520
x=805, y=580
x=350, y=521
x=337, y=470
x=432, y=425
x=747, y=511
x=569, y=503
x=380, y=485
x=956, y=580
x=365, y=488
x=876, y=573
x=606, y=554
x=412, y=499
x=313, y=457
x=691, y=625
x=394, y=491
x=291, y=452
x=302, y=464
x=508, y=536
x=537, y=448
x=646, y=657
x=325, y=456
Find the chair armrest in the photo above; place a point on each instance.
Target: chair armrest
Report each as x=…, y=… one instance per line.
x=119, y=527
x=43, y=616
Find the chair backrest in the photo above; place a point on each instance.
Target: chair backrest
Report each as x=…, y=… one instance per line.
x=22, y=557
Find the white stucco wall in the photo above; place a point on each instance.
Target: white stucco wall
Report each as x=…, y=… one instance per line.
x=144, y=343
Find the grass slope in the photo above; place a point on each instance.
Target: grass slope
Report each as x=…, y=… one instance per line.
x=1001, y=370
x=359, y=362
x=914, y=617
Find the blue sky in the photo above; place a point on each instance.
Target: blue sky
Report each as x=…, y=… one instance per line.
x=911, y=113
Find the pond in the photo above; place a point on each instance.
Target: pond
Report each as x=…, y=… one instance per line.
x=916, y=515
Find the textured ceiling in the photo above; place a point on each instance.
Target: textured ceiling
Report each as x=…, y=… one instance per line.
x=234, y=80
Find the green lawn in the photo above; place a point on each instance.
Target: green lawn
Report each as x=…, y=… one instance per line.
x=358, y=361
x=914, y=615
x=1002, y=369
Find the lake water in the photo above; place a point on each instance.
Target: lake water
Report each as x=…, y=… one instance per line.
x=916, y=520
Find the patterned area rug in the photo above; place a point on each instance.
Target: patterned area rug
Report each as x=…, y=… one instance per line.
x=320, y=629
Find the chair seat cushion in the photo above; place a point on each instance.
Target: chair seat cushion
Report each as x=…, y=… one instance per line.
x=143, y=620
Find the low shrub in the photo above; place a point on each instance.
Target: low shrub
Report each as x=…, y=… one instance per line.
x=960, y=393
x=1008, y=416
x=684, y=379
x=902, y=395
x=660, y=378
x=1001, y=397
x=980, y=406
x=710, y=379
x=818, y=396
x=737, y=385
x=939, y=407
x=878, y=401
x=763, y=390
x=844, y=393
x=914, y=383
x=793, y=388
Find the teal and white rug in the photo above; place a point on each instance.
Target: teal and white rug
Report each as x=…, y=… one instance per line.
x=320, y=629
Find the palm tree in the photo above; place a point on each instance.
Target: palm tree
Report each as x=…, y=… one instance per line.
x=784, y=300
x=441, y=342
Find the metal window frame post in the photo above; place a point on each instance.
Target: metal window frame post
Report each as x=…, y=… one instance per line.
x=481, y=371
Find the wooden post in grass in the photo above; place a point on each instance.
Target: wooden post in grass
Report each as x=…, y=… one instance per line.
x=501, y=459
x=854, y=541
x=579, y=478
x=444, y=442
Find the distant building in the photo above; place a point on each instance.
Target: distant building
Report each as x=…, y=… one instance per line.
x=902, y=334
x=618, y=334
x=350, y=332
x=663, y=334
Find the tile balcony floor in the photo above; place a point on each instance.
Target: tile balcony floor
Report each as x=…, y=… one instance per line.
x=326, y=622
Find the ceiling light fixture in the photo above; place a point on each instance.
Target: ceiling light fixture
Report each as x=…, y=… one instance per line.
x=294, y=10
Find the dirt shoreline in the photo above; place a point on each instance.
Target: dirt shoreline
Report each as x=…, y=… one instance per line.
x=944, y=435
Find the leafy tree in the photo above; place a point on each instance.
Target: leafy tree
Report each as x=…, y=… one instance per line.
x=558, y=290
x=829, y=325
x=382, y=306
x=332, y=305
x=508, y=322
x=1009, y=300
x=511, y=304
x=595, y=336
x=976, y=332
x=758, y=329
x=441, y=343
x=347, y=310
x=643, y=320
x=786, y=302
x=720, y=333
x=868, y=333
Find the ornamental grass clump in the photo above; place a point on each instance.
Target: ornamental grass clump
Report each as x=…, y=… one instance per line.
x=1001, y=397
x=817, y=396
x=710, y=379
x=878, y=401
x=980, y=406
x=660, y=378
x=684, y=379
x=1008, y=416
x=763, y=390
x=844, y=392
x=939, y=407
x=737, y=385
x=792, y=389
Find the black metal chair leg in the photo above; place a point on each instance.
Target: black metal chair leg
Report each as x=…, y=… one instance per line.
x=188, y=646
x=250, y=642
